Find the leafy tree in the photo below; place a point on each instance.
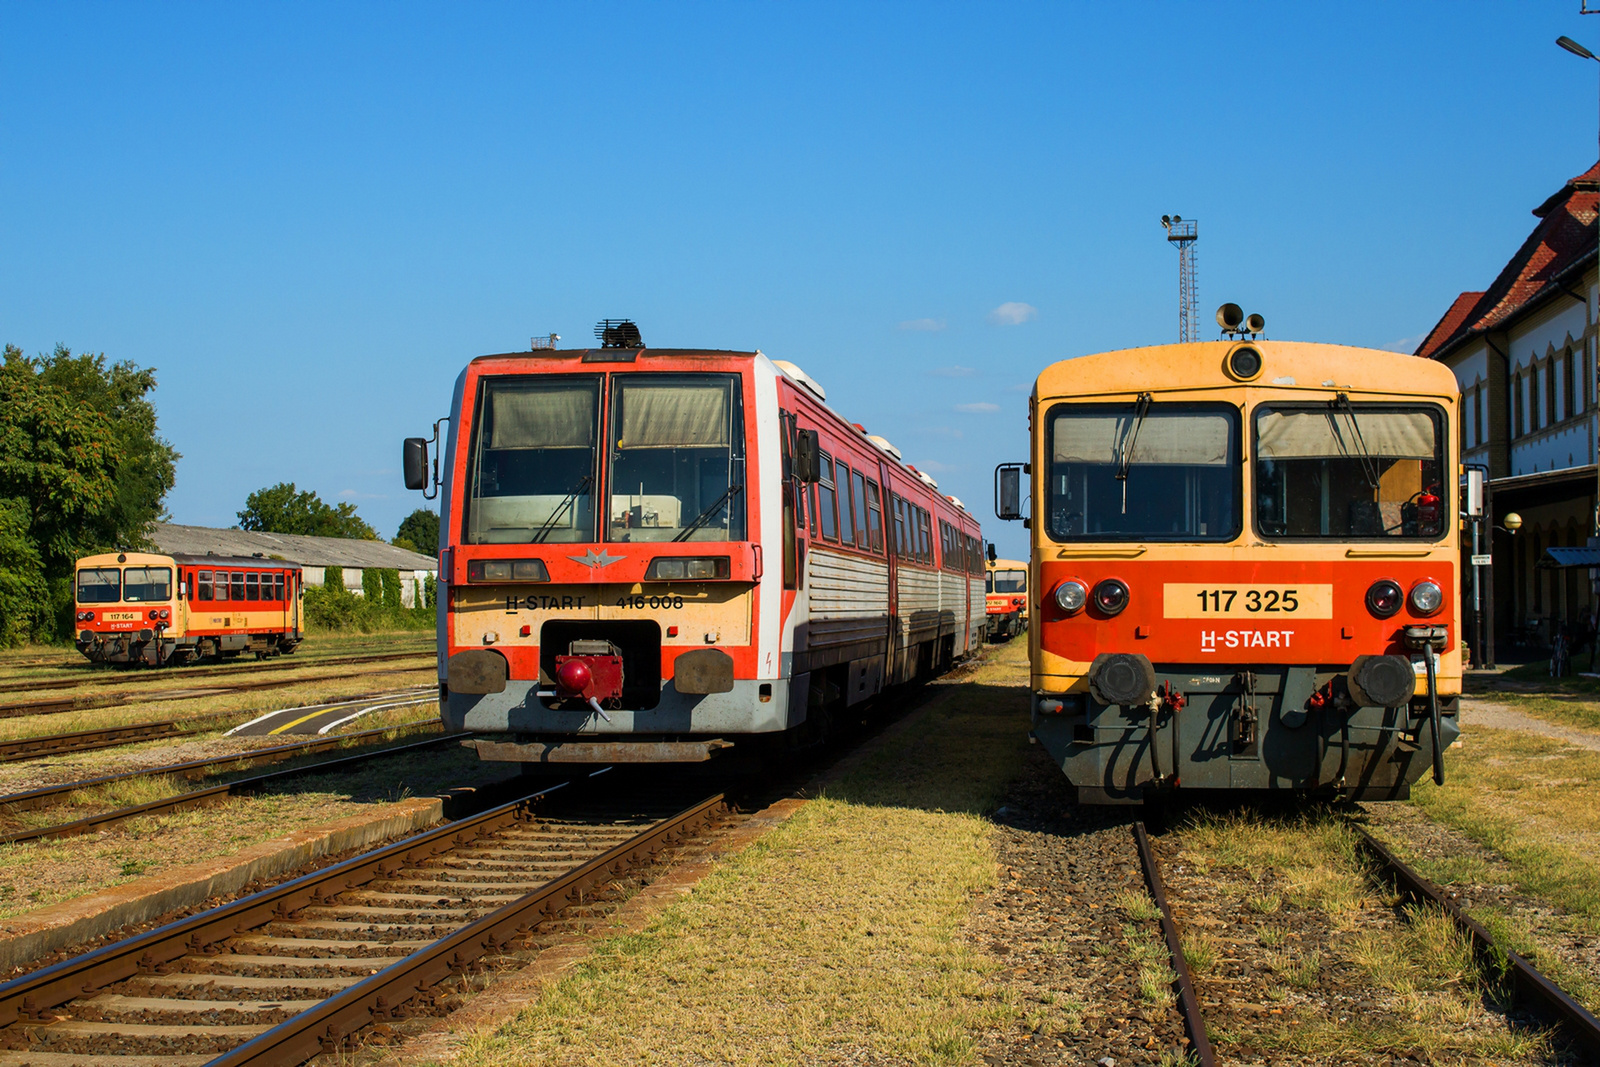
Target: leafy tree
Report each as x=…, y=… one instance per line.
x=421, y=531
x=82, y=470
x=283, y=509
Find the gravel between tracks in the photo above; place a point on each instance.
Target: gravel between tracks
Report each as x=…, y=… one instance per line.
x=1064, y=940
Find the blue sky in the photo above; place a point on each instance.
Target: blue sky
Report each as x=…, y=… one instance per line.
x=309, y=217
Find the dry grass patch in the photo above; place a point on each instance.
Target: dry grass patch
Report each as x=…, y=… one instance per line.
x=836, y=938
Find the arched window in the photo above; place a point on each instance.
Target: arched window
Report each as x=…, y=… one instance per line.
x=1550, y=391
x=1477, y=414
x=1518, y=423
x=1568, y=409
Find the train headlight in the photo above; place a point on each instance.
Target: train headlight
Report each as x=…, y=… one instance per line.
x=1244, y=363
x=1426, y=597
x=507, y=570
x=166, y=614
x=1071, y=596
x=1384, y=598
x=1111, y=596
x=678, y=568
x=154, y=614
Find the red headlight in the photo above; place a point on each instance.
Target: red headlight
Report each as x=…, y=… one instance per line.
x=1111, y=596
x=1384, y=598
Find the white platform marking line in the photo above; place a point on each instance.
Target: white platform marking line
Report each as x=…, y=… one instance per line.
x=302, y=707
x=376, y=707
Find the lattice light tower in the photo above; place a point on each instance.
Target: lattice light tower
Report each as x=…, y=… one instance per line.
x=1183, y=233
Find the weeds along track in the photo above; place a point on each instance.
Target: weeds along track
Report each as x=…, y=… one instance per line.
x=349, y=951
x=77, y=701
x=59, y=794
x=26, y=748
x=142, y=676
x=1510, y=982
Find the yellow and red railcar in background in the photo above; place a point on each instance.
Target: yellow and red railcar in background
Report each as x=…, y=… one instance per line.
x=1244, y=568
x=142, y=607
x=1006, y=598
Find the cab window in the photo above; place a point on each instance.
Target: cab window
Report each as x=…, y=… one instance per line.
x=99, y=585
x=143, y=584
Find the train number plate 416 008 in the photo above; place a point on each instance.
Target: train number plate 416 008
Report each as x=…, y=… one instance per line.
x=1199, y=600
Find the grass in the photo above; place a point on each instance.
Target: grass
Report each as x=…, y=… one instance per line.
x=837, y=935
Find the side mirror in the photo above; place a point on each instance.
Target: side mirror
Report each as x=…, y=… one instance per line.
x=993, y=555
x=807, y=455
x=416, y=462
x=1008, y=491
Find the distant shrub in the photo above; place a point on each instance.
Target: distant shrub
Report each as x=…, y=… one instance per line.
x=333, y=608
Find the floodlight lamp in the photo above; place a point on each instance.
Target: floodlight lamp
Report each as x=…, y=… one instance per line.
x=1575, y=48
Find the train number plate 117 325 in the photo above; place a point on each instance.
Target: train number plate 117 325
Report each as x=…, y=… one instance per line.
x=1199, y=600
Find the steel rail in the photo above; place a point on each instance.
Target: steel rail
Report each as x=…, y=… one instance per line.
x=119, y=699
x=202, y=797
x=1533, y=988
x=210, y=670
x=1193, y=1023
x=325, y=1027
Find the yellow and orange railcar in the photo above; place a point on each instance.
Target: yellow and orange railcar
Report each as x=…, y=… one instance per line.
x=1244, y=569
x=1006, y=598
x=142, y=607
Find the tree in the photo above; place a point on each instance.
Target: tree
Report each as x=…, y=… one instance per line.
x=283, y=509
x=82, y=470
x=421, y=530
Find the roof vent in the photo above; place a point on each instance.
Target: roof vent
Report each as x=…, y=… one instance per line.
x=800, y=377
x=883, y=443
x=956, y=502
x=927, y=479
x=618, y=333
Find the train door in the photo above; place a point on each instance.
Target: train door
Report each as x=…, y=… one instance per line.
x=291, y=587
x=893, y=655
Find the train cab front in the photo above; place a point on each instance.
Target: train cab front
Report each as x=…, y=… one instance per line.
x=1286, y=624
x=603, y=580
x=124, y=610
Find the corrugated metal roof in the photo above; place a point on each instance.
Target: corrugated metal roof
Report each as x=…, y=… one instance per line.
x=1560, y=558
x=296, y=548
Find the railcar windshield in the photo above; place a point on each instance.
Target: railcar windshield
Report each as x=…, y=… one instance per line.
x=1008, y=581
x=1143, y=471
x=677, y=458
x=1338, y=470
x=532, y=468
x=99, y=585
x=147, y=583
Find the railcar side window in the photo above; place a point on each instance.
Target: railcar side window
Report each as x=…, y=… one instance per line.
x=99, y=585
x=141, y=584
x=924, y=536
x=277, y=587
x=252, y=587
x=825, y=500
x=1363, y=471
x=238, y=585
x=858, y=506
x=532, y=470
x=874, y=516
x=847, y=521
x=222, y=585
x=677, y=458
x=1142, y=471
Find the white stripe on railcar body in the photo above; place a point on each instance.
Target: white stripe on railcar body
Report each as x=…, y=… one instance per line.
x=772, y=647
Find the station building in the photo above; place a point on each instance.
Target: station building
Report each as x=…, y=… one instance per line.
x=1524, y=353
x=319, y=557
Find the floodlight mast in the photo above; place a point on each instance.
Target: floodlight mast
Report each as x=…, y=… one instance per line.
x=1183, y=233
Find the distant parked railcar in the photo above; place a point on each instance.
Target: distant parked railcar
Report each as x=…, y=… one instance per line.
x=1006, y=599
x=655, y=554
x=1245, y=561
x=140, y=607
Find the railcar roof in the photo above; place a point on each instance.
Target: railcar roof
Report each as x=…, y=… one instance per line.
x=1006, y=565
x=190, y=559
x=1285, y=365
x=622, y=355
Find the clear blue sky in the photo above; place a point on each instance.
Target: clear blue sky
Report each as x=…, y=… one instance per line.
x=308, y=217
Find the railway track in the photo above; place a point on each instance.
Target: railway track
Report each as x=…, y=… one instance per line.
x=290, y=972
x=39, y=798
x=26, y=748
x=1531, y=990
x=141, y=677
x=120, y=699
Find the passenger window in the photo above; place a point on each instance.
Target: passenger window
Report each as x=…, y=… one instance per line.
x=203, y=586
x=222, y=585
x=924, y=538
x=825, y=500
x=847, y=523
x=277, y=587
x=858, y=502
x=875, y=516
x=238, y=585
x=252, y=587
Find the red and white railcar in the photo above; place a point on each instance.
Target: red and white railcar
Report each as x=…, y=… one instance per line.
x=654, y=554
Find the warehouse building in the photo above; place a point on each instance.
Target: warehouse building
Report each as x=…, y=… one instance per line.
x=347, y=558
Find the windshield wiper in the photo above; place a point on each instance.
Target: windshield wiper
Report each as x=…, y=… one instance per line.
x=561, y=509
x=1369, y=462
x=705, y=516
x=1141, y=408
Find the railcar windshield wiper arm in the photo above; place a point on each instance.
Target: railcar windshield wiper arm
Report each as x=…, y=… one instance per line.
x=1369, y=462
x=705, y=516
x=561, y=509
x=1141, y=408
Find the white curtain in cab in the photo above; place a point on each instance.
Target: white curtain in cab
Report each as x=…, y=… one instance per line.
x=674, y=416
x=1331, y=435
x=542, y=417
x=1192, y=439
